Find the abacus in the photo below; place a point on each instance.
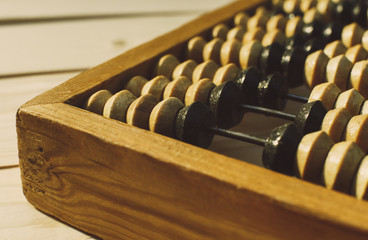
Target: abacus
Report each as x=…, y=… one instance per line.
x=119, y=150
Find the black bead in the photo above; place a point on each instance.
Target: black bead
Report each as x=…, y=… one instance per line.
x=313, y=45
x=248, y=81
x=342, y=12
x=332, y=31
x=296, y=40
x=310, y=117
x=192, y=123
x=313, y=29
x=292, y=66
x=280, y=149
x=359, y=13
x=272, y=91
x=224, y=102
x=270, y=58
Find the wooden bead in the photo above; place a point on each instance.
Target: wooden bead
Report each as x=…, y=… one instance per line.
x=327, y=93
x=166, y=65
x=241, y=19
x=155, y=86
x=272, y=36
x=97, y=101
x=365, y=40
x=351, y=100
x=206, y=69
x=311, y=156
x=338, y=71
x=211, y=50
x=305, y=5
x=325, y=7
x=290, y=6
x=162, y=117
x=360, y=184
x=262, y=11
x=356, y=53
x=226, y=73
x=359, y=78
x=249, y=54
x=253, y=34
x=220, y=31
x=315, y=68
x=341, y=165
x=199, y=91
x=177, y=88
x=258, y=20
x=334, y=123
x=357, y=131
x=135, y=85
x=185, y=69
x=229, y=52
x=236, y=33
x=276, y=22
x=117, y=105
x=195, y=49
x=139, y=111
x=334, y=49
x=294, y=26
x=311, y=15
x=352, y=34
x=364, y=108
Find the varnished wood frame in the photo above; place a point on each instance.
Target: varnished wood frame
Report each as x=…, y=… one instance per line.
x=120, y=182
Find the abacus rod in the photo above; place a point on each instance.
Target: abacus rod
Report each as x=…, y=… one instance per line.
x=239, y=136
x=269, y=112
x=297, y=98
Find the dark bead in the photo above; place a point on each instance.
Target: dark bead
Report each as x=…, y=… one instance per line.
x=292, y=66
x=272, y=91
x=342, y=12
x=280, y=149
x=313, y=29
x=359, y=13
x=310, y=116
x=192, y=123
x=313, y=45
x=248, y=81
x=224, y=102
x=295, y=13
x=270, y=58
x=296, y=40
x=332, y=31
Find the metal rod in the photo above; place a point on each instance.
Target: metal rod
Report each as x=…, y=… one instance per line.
x=269, y=112
x=297, y=98
x=239, y=136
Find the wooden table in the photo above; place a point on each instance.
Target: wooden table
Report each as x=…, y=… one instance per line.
x=44, y=43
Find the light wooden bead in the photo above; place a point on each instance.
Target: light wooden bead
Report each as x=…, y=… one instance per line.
x=212, y=50
x=272, y=36
x=206, y=69
x=356, y=53
x=185, y=69
x=338, y=71
x=311, y=15
x=226, y=73
x=162, y=117
x=327, y=93
x=220, y=31
x=236, y=33
x=334, y=49
x=357, y=131
x=365, y=40
x=294, y=26
x=360, y=184
x=253, y=34
x=156, y=86
x=311, y=156
x=315, y=68
x=195, y=48
x=229, y=52
x=257, y=20
x=241, y=19
x=290, y=6
x=352, y=34
x=117, y=105
x=305, y=5
x=135, y=85
x=249, y=54
x=261, y=10
x=97, y=101
x=351, y=100
x=364, y=108
x=139, y=111
x=325, y=7
x=199, y=91
x=334, y=123
x=166, y=65
x=177, y=88
x=359, y=78
x=341, y=165
x=276, y=22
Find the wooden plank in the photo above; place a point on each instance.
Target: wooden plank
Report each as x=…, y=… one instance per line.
x=19, y=220
x=13, y=93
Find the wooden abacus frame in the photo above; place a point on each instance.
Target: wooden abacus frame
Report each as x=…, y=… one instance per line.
x=118, y=182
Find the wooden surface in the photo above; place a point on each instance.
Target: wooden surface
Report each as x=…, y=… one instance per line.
x=43, y=44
